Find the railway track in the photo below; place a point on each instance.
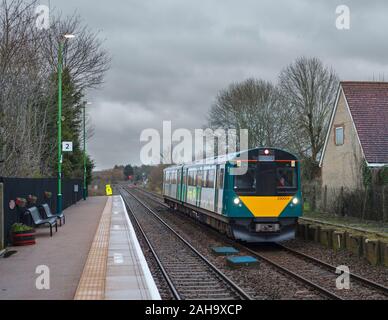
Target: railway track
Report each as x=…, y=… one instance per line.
x=188, y=274
x=333, y=269
x=311, y=271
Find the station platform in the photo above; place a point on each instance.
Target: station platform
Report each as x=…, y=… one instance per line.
x=116, y=268
x=95, y=256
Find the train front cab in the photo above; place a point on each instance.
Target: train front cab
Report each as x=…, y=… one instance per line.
x=264, y=204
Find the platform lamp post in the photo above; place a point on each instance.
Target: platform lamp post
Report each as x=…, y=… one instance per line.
x=85, y=190
x=59, y=123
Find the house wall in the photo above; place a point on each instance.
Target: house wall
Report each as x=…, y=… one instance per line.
x=341, y=164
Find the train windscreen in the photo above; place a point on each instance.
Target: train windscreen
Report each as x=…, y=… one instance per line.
x=268, y=179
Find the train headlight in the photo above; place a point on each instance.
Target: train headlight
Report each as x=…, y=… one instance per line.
x=295, y=201
x=236, y=201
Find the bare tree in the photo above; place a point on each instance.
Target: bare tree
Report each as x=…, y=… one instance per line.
x=83, y=56
x=28, y=68
x=308, y=90
x=253, y=105
x=22, y=123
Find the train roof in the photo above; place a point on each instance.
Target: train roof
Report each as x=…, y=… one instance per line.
x=224, y=158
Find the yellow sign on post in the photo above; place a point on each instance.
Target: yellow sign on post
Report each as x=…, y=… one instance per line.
x=109, y=191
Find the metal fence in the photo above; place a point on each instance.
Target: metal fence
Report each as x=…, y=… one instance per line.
x=366, y=204
x=14, y=188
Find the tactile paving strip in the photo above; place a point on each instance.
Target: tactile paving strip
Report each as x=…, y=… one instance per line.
x=92, y=283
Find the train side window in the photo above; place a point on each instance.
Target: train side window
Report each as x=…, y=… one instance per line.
x=199, y=178
x=221, y=177
x=210, y=179
x=191, y=178
x=204, y=178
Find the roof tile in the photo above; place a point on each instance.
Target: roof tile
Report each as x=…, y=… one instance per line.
x=368, y=104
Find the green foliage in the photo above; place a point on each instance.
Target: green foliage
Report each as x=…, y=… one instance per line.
x=89, y=170
x=366, y=175
x=72, y=130
x=383, y=176
x=20, y=227
x=142, y=173
x=309, y=169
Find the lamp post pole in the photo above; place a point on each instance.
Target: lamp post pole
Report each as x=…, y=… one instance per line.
x=84, y=127
x=85, y=190
x=59, y=124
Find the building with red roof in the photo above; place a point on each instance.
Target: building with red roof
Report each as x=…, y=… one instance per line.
x=357, y=135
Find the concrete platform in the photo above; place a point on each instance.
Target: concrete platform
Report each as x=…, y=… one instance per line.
x=64, y=254
x=116, y=268
x=95, y=256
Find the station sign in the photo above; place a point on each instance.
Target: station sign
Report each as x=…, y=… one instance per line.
x=109, y=190
x=67, y=146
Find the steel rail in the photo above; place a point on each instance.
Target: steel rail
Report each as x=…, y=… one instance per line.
x=332, y=268
x=296, y=276
x=225, y=278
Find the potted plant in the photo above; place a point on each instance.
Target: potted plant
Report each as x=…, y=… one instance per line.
x=32, y=199
x=22, y=235
x=48, y=194
x=21, y=202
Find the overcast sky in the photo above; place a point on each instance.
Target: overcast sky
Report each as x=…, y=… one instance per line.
x=171, y=57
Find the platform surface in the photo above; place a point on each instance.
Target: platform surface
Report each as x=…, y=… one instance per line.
x=116, y=268
x=65, y=254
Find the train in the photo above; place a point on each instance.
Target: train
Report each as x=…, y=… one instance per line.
x=262, y=203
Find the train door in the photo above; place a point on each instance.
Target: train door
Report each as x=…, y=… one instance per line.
x=184, y=185
x=192, y=187
x=199, y=187
x=179, y=184
x=219, y=192
x=164, y=183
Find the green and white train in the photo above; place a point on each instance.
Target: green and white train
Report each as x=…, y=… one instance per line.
x=262, y=205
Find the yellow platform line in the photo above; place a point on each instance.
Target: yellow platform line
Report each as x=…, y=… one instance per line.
x=92, y=282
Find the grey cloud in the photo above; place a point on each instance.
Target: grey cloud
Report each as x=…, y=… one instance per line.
x=170, y=58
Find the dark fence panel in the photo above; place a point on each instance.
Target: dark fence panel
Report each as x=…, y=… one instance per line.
x=22, y=188
x=366, y=204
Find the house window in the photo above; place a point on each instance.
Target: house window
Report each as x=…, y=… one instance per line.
x=339, y=136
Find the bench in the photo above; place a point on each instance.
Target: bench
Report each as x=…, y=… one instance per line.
x=38, y=221
x=46, y=208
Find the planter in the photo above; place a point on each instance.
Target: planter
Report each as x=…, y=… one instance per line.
x=21, y=202
x=48, y=195
x=23, y=238
x=32, y=200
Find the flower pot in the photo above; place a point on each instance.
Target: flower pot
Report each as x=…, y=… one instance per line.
x=23, y=238
x=21, y=202
x=32, y=200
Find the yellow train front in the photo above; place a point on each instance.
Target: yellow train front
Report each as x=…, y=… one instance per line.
x=253, y=196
